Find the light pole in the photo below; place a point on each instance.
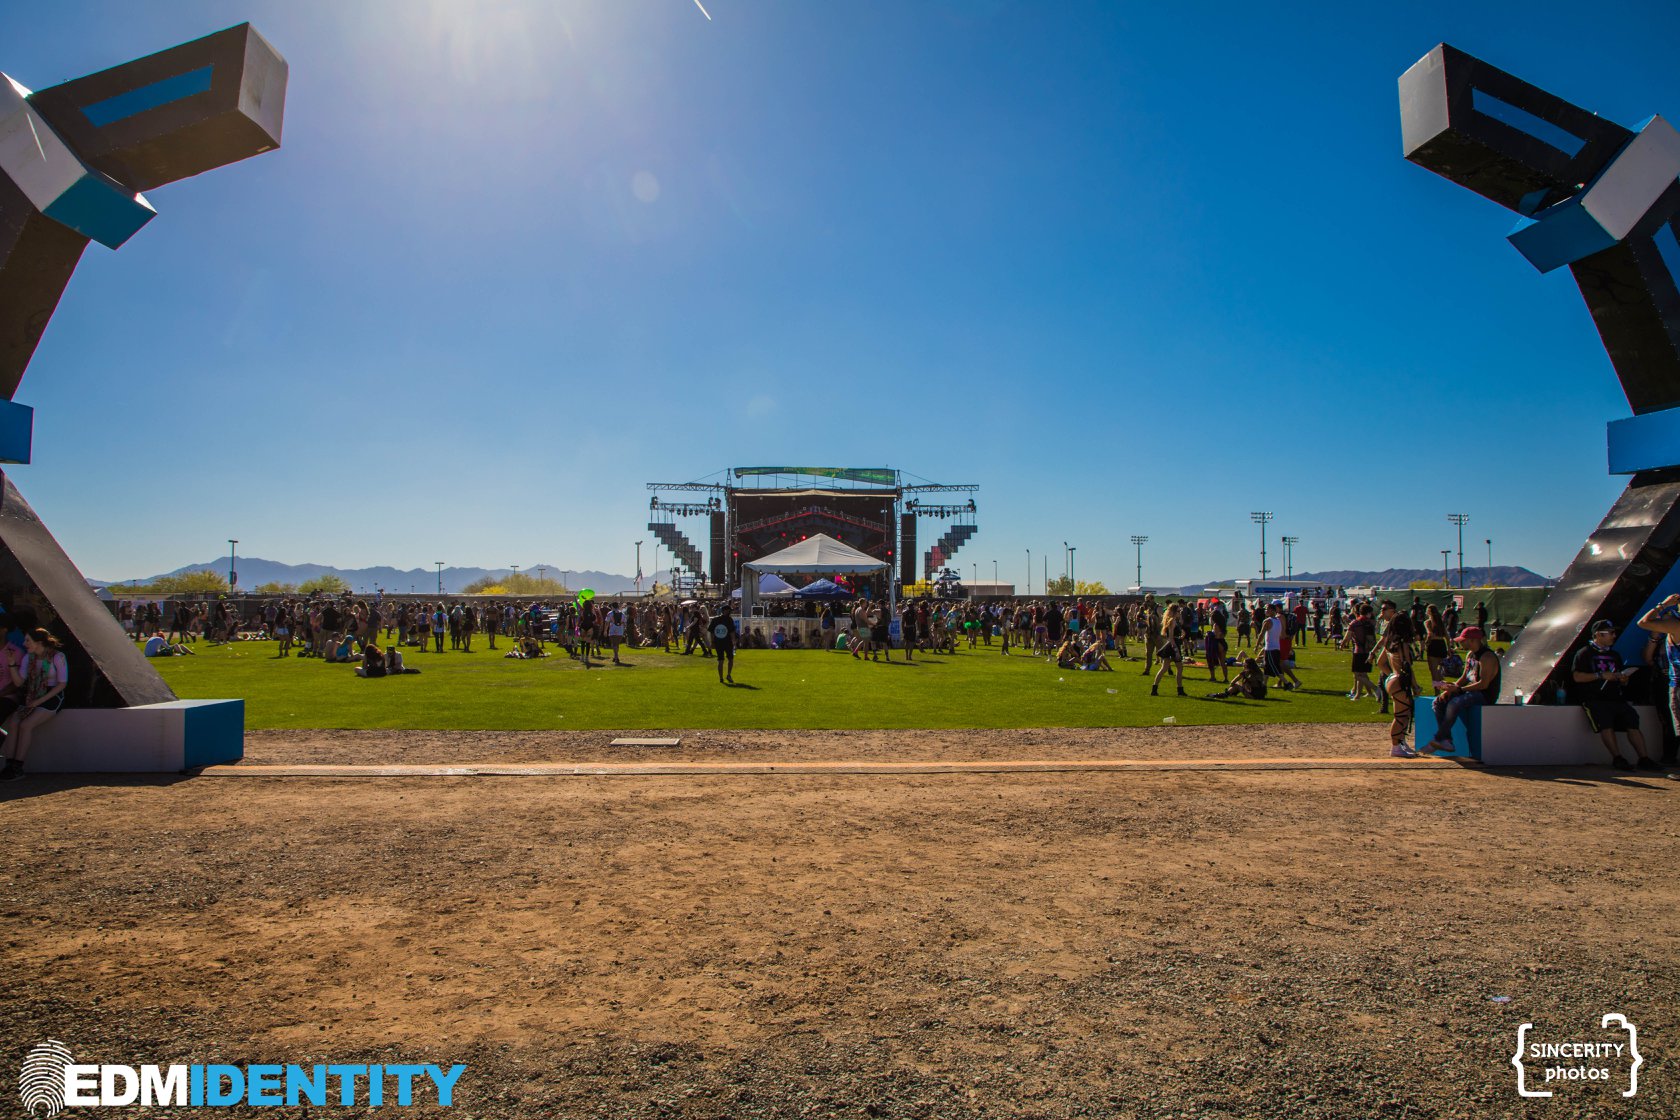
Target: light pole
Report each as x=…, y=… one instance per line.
x=1459, y=519
x=1029, y=571
x=1489, y=543
x=233, y=576
x=994, y=577
x=1140, y=542
x=439, y=564
x=638, y=567
x=1446, y=555
x=1289, y=544
x=1073, y=584
x=542, y=572
x=1260, y=519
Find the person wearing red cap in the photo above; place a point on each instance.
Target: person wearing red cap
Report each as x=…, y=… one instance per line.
x=1477, y=686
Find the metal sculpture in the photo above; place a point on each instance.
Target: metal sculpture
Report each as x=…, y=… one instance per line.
x=74, y=160
x=1605, y=201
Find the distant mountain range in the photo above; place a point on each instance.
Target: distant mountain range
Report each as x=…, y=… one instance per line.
x=255, y=571
x=1500, y=575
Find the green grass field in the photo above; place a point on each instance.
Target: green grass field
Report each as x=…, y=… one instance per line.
x=774, y=689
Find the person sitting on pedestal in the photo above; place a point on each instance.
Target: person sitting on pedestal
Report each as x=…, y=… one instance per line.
x=1600, y=678
x=1479, y=685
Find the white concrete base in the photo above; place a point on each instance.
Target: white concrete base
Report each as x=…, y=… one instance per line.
x=151, y=738
x=1547, y=735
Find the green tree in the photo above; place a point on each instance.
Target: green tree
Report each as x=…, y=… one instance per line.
x=326, y=583
x=273, y=588
x=1427, y=585
x=1062, y=585
x=519, y=583
x=192, y=583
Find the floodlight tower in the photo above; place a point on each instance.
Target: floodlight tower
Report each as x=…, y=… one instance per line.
x=1459, y=519
x=1489, y=543
x=439, y=564
x=1140, y=542
x=1260, y=519
x=1289, y=544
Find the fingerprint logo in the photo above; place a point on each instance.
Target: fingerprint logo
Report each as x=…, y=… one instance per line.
x=41, y=1084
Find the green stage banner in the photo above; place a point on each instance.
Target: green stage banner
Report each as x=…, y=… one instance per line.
x=879, y=476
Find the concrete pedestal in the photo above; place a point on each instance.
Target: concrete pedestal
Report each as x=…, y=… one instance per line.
x=1535, y=734
x=148, y=738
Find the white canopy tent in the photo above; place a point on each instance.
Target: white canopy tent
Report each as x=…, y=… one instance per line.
x=820, y=555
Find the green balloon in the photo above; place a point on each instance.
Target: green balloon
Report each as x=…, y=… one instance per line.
x=586, y=594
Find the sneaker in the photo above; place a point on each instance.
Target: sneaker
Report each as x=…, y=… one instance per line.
x=1648, y=763
x=1403, y=751
x=1621, y=763
x=11, y=774
x=1181, y=692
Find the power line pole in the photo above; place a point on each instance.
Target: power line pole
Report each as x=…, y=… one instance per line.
x=1459, y=519
x=1260, y=519
x=1140, y=542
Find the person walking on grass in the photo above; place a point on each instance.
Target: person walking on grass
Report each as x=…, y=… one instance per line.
x=615, y=629
x=721, y=626
x=1171, y=650
x=1362, y=636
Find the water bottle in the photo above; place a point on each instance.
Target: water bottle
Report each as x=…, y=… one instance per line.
x=1517, y=697
x=1560, y=698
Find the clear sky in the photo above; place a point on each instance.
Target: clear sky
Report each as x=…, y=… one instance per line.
x=1133, y=268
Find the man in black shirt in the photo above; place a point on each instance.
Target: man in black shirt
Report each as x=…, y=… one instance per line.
x=721, y=628
x=1600, y=677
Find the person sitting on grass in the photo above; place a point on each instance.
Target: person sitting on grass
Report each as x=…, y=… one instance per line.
x=526, y=649
x=394, y=666
x=373, y=662
x=1095, y=657
x=341, y=650
x=1067, y=655
x=1249, y=683
x=159, y=646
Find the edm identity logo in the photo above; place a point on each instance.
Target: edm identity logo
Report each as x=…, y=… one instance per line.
x=52, y=1081
x=1601, y=1061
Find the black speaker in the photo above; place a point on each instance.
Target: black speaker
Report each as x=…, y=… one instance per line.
x=720, y=550
x=907, y=548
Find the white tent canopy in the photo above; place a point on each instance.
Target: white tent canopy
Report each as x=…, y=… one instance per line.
x=817, y=555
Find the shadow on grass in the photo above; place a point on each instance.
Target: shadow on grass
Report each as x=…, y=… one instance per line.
x=738, y=684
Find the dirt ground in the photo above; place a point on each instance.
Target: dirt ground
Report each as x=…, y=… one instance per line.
x=1198, y=944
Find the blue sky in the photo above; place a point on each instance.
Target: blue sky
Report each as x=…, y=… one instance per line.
x=1133, y=268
